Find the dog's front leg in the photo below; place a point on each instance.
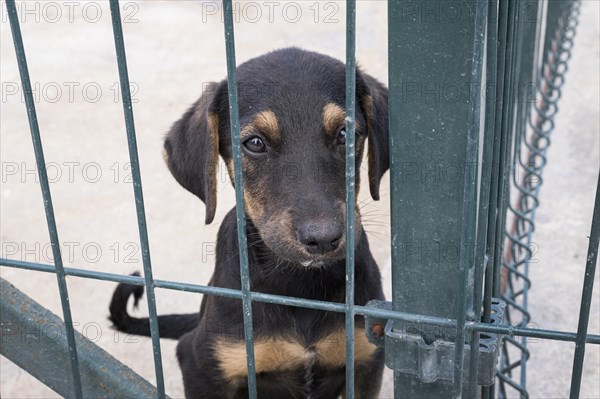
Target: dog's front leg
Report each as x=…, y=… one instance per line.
x=367, y=377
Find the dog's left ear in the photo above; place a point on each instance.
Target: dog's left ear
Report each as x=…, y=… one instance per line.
x=373, y=97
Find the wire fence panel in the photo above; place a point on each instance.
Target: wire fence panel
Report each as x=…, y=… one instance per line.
x=443, y=324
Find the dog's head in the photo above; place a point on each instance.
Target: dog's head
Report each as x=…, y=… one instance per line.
x=292, y=117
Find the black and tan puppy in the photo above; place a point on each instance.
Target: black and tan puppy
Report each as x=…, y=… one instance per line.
x=291, y=105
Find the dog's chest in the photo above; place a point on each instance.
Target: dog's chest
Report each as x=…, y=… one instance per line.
x=272, y=355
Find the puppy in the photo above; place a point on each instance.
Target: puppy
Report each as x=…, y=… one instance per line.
x=292, y=112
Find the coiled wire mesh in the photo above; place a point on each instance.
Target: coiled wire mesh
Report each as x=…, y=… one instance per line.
x=531, y=142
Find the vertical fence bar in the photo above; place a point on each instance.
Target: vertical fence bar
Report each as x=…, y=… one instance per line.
x=506, y=118
x=469, y=209
x=239, y=194
x=586, y=298
x=48, y=207
x=138, y=193
x=489, y=141
x=429, y=133
x=350, y=189
x=494, y=222
x=516, y=125
x=493, y=218
x=500, y=55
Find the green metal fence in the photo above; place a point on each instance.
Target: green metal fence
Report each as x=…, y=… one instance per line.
x=438, y=345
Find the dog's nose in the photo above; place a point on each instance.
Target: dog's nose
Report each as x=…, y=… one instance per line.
x=319, y=238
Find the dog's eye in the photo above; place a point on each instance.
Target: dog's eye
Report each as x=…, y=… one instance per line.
x=255, y=145
x=341, y=136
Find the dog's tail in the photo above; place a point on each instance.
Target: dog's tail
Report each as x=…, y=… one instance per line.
x=169, y=326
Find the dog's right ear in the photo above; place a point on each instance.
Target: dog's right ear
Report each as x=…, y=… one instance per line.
x=191, y=148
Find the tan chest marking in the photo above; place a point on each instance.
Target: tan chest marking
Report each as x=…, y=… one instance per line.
x=331, y=351
x=272, y=355
x=269, y=355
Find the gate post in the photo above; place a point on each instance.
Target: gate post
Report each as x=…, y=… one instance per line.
x=435, y=60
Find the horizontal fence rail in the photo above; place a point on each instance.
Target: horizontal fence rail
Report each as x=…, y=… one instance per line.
x=511, y=132
x=309, y=303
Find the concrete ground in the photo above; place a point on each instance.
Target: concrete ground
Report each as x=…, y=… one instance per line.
x=173, y=48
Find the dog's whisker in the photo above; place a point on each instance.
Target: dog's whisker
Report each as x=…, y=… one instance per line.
x=375, y=214
x=378, y=233
x=368, y=222
x=376, y=217
x=375, y=211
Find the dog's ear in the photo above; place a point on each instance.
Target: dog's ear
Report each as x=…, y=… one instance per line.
x=374, y=103
x=191, y=148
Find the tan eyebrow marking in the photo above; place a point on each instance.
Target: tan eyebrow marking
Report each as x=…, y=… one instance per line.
x=266, y=123
x=333, y=118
